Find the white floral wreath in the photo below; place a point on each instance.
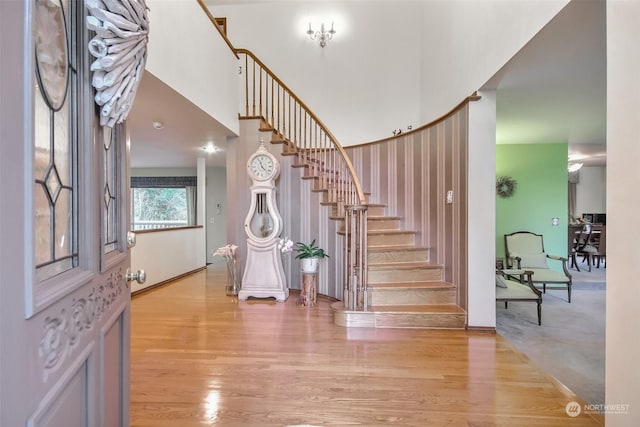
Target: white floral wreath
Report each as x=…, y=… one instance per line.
x=120, y=46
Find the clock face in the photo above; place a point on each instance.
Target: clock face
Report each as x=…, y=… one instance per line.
x=262, y=167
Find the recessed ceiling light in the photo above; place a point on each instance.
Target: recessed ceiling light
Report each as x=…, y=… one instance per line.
x=210, y=148
x=158, y=125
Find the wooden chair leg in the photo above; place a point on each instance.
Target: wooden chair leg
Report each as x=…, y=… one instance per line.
x=539, y=312
x=574, y=261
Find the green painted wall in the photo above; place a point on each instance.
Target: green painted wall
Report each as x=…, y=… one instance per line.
x=541, y=194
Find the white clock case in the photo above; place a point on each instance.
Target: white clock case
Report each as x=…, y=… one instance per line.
x=263, y=274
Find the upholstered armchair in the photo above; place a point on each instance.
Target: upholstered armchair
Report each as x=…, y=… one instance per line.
x=525, y=250
x=511, y=290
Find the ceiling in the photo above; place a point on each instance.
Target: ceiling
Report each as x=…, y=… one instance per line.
x=186, y=129
x=553, y=90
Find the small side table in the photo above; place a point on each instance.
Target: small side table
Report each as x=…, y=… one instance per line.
x=309, y=290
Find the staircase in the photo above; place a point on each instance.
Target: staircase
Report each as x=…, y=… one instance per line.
x=406, y=290
x=394, y=285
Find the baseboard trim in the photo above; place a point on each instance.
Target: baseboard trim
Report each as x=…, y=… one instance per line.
x=483, y=329
x=165, y=282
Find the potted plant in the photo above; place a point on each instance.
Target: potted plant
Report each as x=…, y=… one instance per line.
x=310, y=254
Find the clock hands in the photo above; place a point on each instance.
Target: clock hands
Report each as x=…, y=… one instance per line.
x=261, y=163
x=262, y=167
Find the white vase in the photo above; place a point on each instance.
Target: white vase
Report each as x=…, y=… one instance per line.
x=310, y=265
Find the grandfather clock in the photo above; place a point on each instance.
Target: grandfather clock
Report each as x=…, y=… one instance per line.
x=263, y=273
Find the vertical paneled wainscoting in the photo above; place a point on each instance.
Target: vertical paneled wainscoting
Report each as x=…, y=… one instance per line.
x=417, y=226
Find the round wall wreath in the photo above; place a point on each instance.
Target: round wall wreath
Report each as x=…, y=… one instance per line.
x=120, y=47
x=505, y=186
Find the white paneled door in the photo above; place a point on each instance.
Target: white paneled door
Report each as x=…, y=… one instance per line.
x=64, y=298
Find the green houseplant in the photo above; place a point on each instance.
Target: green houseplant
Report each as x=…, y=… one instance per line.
x=310, y=254
x=310, y=251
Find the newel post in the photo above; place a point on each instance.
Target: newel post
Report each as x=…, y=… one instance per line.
x=355, y=257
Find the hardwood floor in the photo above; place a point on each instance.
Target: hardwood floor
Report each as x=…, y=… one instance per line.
x=201, y=358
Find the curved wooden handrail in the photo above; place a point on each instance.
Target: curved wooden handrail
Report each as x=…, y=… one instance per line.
x=217, y=27
x=323, y=127
x=472, y=97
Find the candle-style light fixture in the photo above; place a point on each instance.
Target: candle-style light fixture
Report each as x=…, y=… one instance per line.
x=321, y=35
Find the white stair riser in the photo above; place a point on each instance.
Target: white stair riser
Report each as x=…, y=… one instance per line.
x=392, y=239
x=397, y=255
x=378, y=224
x=400, y=320
x=384, y=224
x=404, y=275
x=412, y=296
x=421, y=320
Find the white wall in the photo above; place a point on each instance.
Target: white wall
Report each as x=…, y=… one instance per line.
x=591, y=190
x=216, y=218
x=200, y=70
x=216, y=192
x=465, y=44
x=481, y=214
x=391, y=63
x=166, y=254
x=623, y=201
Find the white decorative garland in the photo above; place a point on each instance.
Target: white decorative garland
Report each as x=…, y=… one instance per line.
x=120, y=46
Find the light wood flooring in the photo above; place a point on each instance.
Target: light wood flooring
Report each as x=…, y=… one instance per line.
x=201, y=358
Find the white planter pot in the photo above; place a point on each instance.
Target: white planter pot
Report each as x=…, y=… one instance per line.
x=310, y=265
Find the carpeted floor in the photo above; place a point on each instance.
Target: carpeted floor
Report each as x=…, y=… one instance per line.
x=570, y=344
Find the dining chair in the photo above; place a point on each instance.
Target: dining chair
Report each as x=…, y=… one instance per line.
x=595, y=247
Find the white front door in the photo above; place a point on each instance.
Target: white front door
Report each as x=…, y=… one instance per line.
x=64, y=300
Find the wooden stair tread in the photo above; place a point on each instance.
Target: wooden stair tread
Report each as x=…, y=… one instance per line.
x=382, y=218
x=434, y=284
x=399, y=248
x=402, y=265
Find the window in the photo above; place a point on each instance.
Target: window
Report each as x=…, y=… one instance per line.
x=55, y=142
x=162, y=202
x=110, y=192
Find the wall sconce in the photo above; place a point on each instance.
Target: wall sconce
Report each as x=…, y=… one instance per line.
x=321, y=35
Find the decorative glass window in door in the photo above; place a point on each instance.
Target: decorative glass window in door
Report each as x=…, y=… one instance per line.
x=110, y=192
x=55, y=136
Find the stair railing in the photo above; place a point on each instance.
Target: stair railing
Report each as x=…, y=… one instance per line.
x=315, y=148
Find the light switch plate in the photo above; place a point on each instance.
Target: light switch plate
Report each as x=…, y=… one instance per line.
x=449, y=196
